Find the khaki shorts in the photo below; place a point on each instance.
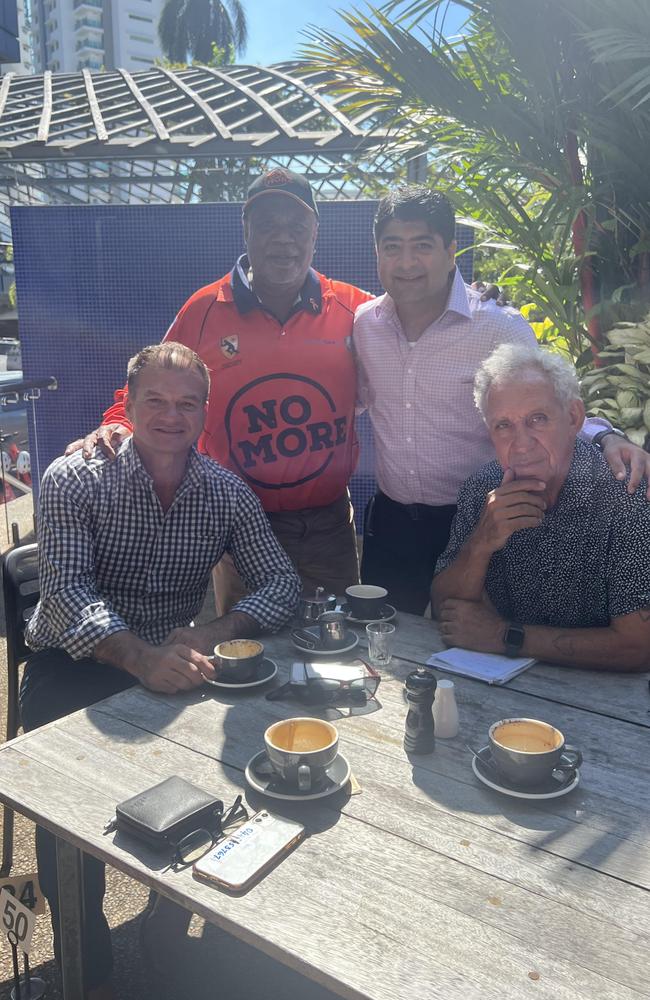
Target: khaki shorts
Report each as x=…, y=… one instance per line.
x=321, y=543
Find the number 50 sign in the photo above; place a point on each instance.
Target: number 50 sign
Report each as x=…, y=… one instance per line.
x=16, y=921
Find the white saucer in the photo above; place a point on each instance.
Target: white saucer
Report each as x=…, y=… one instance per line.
x=491, y=779
x=267, y=671
x=337, y=776
x=352, y=637
x=388, y=617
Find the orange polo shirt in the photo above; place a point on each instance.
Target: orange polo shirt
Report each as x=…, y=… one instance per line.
x=282, y=395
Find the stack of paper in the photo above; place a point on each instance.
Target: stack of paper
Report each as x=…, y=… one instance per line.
x=487, y=667
x=347, y=672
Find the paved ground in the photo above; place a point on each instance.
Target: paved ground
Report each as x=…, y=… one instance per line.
x=209, y=964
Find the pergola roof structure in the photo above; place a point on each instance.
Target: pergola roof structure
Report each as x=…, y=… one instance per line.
x=163, y=135
x=234, y=111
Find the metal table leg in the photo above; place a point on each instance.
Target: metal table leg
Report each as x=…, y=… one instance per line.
x=70, y=881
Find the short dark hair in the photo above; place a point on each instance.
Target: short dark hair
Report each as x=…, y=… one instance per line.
x=169, y=354
x=415, y=202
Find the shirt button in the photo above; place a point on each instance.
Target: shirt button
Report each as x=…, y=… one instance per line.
x=283, y=333
x=408, y=406
x=412, y=472
x=409, y=371
x=409, y=440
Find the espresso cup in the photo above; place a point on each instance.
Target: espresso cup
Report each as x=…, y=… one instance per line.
x=365, y=601
x=300, y=750
x=238, y=659
x=527, y=751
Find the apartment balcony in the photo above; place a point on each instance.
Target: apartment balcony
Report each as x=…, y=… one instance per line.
x=88, y=43
x=86, y=22
x=93, y=4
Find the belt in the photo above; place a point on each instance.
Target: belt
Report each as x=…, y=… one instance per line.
x=419, y=511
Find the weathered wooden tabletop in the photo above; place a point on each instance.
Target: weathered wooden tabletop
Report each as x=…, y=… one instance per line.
x=426, y=884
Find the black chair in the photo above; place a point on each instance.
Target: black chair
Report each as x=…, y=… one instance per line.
x=20, y=589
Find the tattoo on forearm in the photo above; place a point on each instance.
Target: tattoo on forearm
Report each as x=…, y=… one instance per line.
x=564, y=644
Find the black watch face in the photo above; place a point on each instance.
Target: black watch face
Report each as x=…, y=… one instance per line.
x=514, y=636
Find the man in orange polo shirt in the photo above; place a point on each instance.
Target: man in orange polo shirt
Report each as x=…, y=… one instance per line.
x=276, y=337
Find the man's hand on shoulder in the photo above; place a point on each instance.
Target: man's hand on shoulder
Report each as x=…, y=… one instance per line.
x=107, y=438
x=472, y=625
x=513, y=505
x=490, y=292
x=621, y=455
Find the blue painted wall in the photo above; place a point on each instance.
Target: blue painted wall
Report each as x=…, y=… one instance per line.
x=97, y=283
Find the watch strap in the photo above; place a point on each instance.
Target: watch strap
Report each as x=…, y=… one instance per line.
x=513, y=638
x=597, y=439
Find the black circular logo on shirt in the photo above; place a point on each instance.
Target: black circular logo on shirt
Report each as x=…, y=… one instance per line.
x=282, y=418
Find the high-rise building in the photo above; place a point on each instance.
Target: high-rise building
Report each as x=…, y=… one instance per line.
x=15, y=37
x=69, y=35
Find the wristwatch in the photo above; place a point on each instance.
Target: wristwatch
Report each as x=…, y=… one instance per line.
x=597, y=439
x=513, y=638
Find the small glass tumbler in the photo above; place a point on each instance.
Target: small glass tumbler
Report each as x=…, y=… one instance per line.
x=381, y=636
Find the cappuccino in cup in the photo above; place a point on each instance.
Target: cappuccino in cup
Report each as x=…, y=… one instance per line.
x=238, y=659
x=526, y=752
x=300, y=750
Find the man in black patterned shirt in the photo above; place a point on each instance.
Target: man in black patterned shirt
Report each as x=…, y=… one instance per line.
x=126, y=550
x=549, y=556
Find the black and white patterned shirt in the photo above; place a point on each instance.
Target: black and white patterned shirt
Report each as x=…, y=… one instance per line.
x=586, y=563
x=111, y=559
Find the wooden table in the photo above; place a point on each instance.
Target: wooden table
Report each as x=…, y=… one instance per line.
x=427, y=884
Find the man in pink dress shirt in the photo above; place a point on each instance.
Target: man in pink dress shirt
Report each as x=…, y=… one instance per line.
x=418, y=349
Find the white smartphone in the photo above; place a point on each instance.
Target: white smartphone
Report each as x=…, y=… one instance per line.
x=234, y=864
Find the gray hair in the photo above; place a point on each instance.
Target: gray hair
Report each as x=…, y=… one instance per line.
x=513, y=362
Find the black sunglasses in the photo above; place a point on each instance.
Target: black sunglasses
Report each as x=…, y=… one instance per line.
x=194, y=845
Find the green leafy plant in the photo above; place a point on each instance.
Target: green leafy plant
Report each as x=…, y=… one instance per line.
x=620, y=389
x=540, y=131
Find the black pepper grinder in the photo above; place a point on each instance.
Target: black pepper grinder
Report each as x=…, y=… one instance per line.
x=418, y=734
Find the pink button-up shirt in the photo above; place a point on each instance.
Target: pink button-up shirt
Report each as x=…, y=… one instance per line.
x=429, y=436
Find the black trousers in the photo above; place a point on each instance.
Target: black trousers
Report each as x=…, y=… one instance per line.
x=401, y=544
x=55, y=685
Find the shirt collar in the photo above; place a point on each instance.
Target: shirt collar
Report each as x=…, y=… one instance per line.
x=579, y=484
x=309, y=297
x=132, y=463
x=458, y=301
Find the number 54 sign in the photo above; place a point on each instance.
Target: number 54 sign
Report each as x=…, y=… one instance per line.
x=16, y=921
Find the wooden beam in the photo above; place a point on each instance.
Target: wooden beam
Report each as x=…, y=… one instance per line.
x=284, y=127
x=143, y=103
x=93, y=104
x=46, y=114
x=208, y=113
x=4, y=90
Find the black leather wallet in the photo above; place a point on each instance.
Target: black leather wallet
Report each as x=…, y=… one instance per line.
x=165, y=813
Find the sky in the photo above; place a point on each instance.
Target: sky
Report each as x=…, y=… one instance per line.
x=275, y=25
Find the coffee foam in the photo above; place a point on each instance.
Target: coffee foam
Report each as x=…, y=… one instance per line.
x=527, y=736
x=366, y=591
x=239, y=648
x=301, y=735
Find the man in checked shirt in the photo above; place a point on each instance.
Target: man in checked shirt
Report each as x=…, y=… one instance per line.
x=126, y=548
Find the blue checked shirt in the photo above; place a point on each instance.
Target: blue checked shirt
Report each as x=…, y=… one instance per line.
x=111, y=559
